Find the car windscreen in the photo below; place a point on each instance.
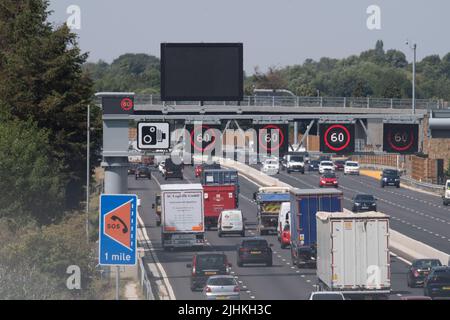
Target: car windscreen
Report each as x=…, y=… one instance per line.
x=351, y=164
x=327, y=164
x=390, y=173
x=427, y=264
x=314, y=162
x=210, y=261
x=329, y=175
x=296, y=159
x=221, y=282
x=448, y=186
x=254, y=243
x=364, y=197
x=143, y=169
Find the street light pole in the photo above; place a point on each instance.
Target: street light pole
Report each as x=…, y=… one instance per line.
x=414, y=48
x=414, y=79
x=88, y=171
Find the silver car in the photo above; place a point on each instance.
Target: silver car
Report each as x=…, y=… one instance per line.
x=222, y=288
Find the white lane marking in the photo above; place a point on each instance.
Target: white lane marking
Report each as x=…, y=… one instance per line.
x=155, y=258
x=252, y=297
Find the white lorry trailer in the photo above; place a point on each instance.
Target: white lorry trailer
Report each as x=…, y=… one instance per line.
x=182, y=216
x=353, y=253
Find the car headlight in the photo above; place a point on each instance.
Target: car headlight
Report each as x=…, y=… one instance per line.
x=357, y=204
x=384, y=179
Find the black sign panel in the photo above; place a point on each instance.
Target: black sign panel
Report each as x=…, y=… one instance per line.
x=273, y=139
x=401, y=138
x=202, y=72
x=118, y=105
x=337, y=138
x=203, y=139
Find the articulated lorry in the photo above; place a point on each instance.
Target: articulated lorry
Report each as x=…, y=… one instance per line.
x=305, y=203
x=182, y=216
x=269, y=200
x=353, y=253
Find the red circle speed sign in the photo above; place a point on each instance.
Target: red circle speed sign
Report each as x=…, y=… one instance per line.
x=126, y=104
x=401, y=141
x=337, y=137
x=200, y=139
x=269, y=138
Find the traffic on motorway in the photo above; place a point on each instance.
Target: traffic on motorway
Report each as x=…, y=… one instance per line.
x=221, y=236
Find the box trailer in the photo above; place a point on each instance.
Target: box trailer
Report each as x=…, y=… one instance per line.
x=216, y=199
x=353, y=253
x=182, y=216
x=305, y=203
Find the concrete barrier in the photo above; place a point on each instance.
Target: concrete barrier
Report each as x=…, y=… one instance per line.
x=400, y=244
x=411, y=249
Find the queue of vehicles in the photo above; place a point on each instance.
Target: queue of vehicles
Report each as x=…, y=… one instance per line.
x=310, y=222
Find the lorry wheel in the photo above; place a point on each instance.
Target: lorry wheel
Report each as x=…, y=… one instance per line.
x=158, y=223
x=269, y=263
x=283, y=246
x=220, y=235
x=240, y=264
x=243, y=234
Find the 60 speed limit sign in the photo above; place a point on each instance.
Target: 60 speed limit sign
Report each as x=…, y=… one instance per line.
x=400, y=138
x=337, y=138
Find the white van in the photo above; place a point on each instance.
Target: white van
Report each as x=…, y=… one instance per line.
x=231, y=222
x=283, y=218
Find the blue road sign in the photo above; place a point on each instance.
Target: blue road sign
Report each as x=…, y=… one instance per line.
x=118, y=216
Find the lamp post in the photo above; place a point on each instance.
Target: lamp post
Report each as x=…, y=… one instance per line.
x=414, y=48
x=88, y=171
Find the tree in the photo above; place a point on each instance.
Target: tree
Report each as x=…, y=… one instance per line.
x=41, y=78
x=30, y=181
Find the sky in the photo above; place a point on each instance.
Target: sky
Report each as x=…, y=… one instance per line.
x=275, y=33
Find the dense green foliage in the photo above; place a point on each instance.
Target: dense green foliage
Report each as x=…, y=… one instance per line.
x=375, y=73
x=41, y=79
x=44, y=95
x=129, y=72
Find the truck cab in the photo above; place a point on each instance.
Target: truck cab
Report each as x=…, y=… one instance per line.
x=294, y=162
x=446, y=196
x=157, y=207
x=269, y=200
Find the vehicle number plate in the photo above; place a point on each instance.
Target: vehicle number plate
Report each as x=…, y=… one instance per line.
x=255, y=252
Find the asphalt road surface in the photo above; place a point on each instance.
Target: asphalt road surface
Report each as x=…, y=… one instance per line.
x=282, y=281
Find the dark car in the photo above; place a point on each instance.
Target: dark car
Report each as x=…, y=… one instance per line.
x=339, y=165
x=390, y=177
x=206, y=265
x=254, y=250
x=173, y=170
x=143, y=172
x=132, y=169
x=314, y=165
x=437, y=284
x=419, y=270
x=364, y=202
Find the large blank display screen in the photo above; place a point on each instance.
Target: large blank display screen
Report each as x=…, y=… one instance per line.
x=202, y=72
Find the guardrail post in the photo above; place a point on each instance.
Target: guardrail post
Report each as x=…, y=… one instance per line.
x=345, y=102
x=392, y=103
x=151, y=99
x=321, y=102
x=298, y=101
x=273, y=101
x=368, y=102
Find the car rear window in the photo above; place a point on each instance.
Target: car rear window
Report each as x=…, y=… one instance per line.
x=326, y=163
x=210, y=261
x=329, y=175
x=351, y=164
x=221, y=282
x=364, y=197
x=328, y=296
x=441, y=276
x=254, y=243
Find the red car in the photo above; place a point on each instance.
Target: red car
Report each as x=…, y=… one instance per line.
x=286, y=237
x=198, y=170
x=328, y=179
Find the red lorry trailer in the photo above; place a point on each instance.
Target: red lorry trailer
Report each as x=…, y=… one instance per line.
x=216, y=199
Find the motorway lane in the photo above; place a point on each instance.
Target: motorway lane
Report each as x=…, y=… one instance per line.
x=425, y=221
x=280, y=282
